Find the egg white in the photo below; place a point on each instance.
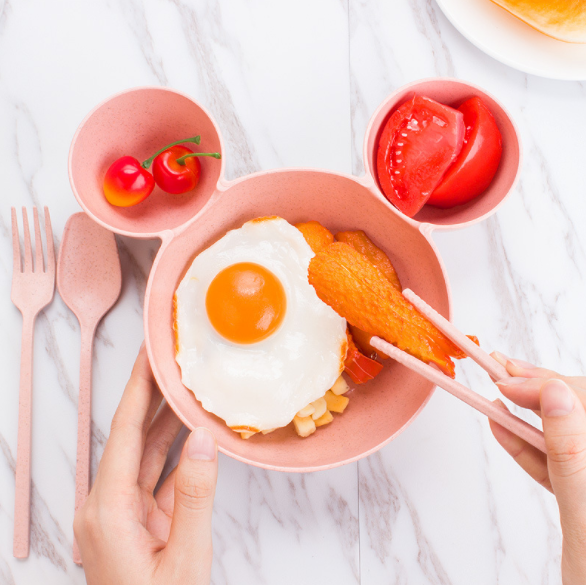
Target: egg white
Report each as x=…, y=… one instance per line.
x=263, y=385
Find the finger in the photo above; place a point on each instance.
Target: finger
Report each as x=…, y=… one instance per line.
x=530, y=459
x=195, y=485
x=564, y=427
x=522, y=391
x=123, y=452
x=525, y=391
x=165, y=496
x=159, y=518
x=576, y=382
x=161, y=435
x=523, y=369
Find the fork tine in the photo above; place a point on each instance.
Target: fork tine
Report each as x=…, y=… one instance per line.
x=38, y=243
x=49, y=243
x=28, y=253
x=16, y=263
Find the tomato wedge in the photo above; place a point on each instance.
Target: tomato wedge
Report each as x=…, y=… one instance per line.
x=362, y=341
x=359, y=367
x=478, y=161
x=418, y=144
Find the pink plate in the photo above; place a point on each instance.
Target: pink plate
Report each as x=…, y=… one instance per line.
x=379, y=410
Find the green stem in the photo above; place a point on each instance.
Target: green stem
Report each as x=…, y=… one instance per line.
x=181, y=159
x=147, y=163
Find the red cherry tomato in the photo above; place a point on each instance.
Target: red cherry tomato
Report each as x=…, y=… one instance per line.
x=172, y=176
x=419, y=142
x=478, y=161
x=126, y=183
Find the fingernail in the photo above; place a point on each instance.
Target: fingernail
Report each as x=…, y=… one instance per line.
x=522, y=364
x=510, y=381
x=500, y=357
x=201, y=445
x=556, y=399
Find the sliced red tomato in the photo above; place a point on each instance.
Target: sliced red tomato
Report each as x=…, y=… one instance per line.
x=418, y=144
x=359, y=367
x=478, y=161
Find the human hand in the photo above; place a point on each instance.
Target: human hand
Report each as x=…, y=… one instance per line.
x=128, y=535
x=560, y=401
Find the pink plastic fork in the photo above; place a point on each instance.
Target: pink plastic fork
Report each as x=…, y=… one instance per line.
x=495, y=370
x=32, y=290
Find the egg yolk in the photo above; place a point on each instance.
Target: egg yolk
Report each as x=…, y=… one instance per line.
x=245, y=302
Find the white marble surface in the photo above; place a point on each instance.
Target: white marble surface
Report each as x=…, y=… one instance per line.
x=294, y=84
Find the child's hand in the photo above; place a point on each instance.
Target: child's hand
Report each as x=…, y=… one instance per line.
x=126, y=534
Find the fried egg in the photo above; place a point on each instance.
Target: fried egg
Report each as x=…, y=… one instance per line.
x=254, y=342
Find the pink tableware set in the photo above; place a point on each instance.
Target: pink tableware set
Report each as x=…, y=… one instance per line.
x=89, y=281
x=139, y=121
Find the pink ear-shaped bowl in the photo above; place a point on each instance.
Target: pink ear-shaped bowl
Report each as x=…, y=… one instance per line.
x=378, y=410
x=139, y=122
x=453, y=92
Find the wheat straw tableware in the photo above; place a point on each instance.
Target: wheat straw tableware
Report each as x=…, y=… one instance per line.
x=33, y=286
x=139, y=121
x=89, y=280
x=495, y=370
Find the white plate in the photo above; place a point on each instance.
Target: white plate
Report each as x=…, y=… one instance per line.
x=511, y=41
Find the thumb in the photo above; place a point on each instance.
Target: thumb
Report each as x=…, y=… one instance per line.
x=190, y=537
x=564, y=427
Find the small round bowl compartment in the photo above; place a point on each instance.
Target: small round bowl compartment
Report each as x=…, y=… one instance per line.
x=378, y=410
x=138, y=123
x=452, y=92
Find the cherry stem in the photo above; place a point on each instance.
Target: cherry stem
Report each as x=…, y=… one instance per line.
x=147, y=163
x=181, y=159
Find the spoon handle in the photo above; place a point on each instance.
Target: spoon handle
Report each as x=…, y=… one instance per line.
x=84, y=425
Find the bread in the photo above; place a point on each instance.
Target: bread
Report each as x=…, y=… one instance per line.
x=561, y=19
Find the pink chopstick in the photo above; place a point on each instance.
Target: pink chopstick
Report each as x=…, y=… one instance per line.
x=503, y=417
x=495, y=370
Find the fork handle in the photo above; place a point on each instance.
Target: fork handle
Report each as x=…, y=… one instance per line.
x=84, y=425
x=22, y=494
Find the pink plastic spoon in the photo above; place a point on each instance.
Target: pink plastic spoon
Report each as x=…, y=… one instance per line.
x=89, y=280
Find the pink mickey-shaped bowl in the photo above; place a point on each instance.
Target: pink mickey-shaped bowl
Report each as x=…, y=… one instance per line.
x=378, y=410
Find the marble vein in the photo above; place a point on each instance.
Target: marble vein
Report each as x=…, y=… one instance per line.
x=203, y=29
x=136, y=19
x=384, y=501
x=44, y=527
x=29, y=157
x=426, y=19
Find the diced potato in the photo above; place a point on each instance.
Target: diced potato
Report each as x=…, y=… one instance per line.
x=340, y=386
x=247, y=434
x=307, y=411
x=304, y=426
x=336, y=403
x=320, y=407
x=268, y=431
x=324, y=419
